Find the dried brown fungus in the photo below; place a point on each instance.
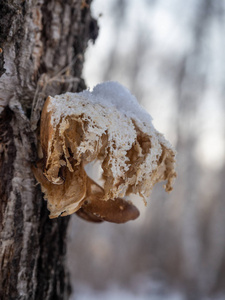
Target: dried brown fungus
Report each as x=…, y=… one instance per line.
x=107, y=125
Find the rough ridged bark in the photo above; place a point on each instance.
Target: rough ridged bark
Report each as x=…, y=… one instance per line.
x=42, y=45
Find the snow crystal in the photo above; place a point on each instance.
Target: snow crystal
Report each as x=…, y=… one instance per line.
x=109, y=94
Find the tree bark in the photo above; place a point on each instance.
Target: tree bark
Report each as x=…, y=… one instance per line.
x=42, y=44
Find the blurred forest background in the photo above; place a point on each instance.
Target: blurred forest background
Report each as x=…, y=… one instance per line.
x=171, y=56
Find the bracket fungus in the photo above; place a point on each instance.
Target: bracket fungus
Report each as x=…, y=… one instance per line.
x=107, y=125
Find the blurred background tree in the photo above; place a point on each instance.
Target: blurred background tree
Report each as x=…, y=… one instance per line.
x=170, y=54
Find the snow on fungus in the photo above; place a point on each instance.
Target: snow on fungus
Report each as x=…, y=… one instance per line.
x=108, y=125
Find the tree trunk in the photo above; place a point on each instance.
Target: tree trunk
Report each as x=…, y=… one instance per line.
x=42, y=48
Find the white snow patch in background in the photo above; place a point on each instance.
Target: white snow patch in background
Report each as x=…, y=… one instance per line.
x=115, y=293
x=122, y=294
x=142, y=288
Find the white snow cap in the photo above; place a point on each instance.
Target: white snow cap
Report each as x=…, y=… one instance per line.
x=112, y=93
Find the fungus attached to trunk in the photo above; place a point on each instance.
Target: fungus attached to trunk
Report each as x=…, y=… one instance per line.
x=107, y=125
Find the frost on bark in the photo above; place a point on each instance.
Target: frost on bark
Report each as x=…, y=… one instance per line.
x=42, y=46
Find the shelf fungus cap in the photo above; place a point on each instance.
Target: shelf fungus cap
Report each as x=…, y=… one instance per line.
x=108, y=125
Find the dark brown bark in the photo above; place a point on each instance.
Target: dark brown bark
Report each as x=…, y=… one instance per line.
x=42, y=46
